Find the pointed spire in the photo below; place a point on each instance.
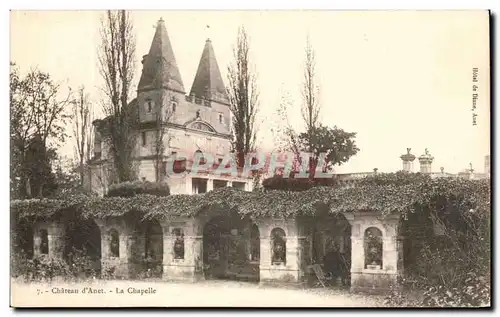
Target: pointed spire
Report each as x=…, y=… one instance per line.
x=159, y=66
x=208, y=82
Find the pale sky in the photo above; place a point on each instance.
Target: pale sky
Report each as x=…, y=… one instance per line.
x=398, y=78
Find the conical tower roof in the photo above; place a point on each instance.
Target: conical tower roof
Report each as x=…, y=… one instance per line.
x=159, y=66
x=208, y=81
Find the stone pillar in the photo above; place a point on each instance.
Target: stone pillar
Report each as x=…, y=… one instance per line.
x=407, y=159
x=357, y=255
x=248, y=186
x=210, y=185
x=367, y=279
x=426, y=162
x=189, y=184
x=134, y=242
x=37, y=242
x=56, y=232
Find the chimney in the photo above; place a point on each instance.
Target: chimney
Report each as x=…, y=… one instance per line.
x=407, y=159
x=426, y=162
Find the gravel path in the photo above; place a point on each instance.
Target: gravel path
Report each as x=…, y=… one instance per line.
x=168, y=294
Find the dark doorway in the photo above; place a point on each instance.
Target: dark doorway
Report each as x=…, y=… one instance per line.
x=153, y=247
x=231, y=248
x=331, y=246
x=83, y=247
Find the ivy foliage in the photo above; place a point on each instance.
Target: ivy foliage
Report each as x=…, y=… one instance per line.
x=384, y=193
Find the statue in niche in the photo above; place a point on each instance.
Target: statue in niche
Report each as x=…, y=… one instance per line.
x=198, y=114
x=373, y=247
x=178, y=244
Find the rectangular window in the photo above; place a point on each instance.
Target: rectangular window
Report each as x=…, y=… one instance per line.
x=150, y=106
x=239, y=185
x=143, y=135
x=219, y=184
x=199, y=185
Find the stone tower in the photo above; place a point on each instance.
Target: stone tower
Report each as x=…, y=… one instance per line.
x=197, y=123
x=426, y=162
x=408, y=159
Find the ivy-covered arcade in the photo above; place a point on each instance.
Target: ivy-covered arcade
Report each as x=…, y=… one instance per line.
x=273, y=237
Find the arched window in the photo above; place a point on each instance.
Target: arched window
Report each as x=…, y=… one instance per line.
x=373, y=248
x=199, y=155
x=278, y=244
x=255, y=243
x=114, y=243
x=178, y=243
x=44, y=241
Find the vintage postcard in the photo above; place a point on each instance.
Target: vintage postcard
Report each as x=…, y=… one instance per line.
x=250, y=159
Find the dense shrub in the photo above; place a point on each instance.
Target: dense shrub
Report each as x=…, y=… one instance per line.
x=278, y=182
x=44, y=268
x=40, y=268
x=130, y=189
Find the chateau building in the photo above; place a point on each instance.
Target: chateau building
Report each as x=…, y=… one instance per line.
x=198, y=122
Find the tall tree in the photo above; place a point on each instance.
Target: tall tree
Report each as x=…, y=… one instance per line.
x=38, y=113
x=117, y=65
x=327, y=146
x=243, y=98
x=83, y=131
x=310, y=105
